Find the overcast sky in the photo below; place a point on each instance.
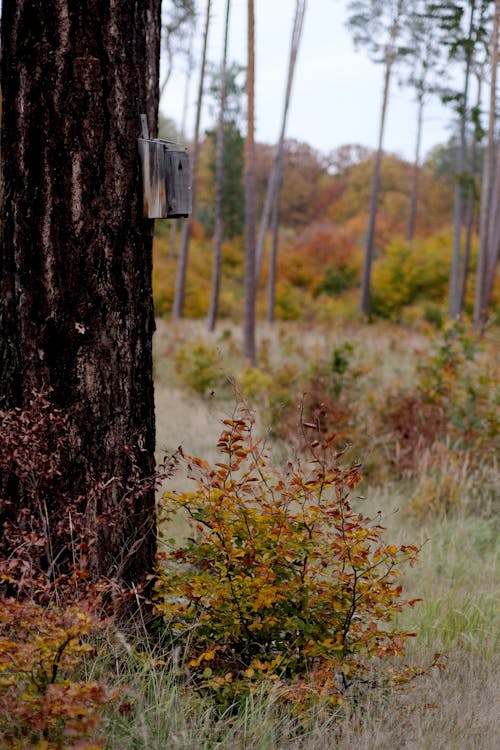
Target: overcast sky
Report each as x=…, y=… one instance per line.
x=337, y=91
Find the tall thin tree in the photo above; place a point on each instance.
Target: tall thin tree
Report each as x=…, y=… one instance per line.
x=277, y=165
x=180, y=281
x=464, y=28
x=219, y=183
x=249, y=348
x=454, y=294
x=369, y=19
x=423, y=72
x=486, y=207
x=174, y=223
x=178, y=17
x=471, y=187
x=276, y=174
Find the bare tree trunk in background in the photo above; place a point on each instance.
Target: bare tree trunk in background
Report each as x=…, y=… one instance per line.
x=471, y=199
x=76, y=310
x=180, y=281
x=249, y=349
x=275, y=177
x=174, y=223
x=375, y=188
x=416, y=170
x=494, y=243
x=219, y=185
x=486, y=210
x=390, y=56
x=454, y=294
x=273, y=258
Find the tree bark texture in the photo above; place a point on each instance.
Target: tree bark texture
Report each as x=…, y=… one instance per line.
x=76, y=311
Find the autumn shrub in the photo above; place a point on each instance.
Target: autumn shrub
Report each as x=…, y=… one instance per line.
x=53, y=605
x=325, y=394
x=446, y=423
x=198, y=366
x=281, y=584
x=413, y=426
x=337, y=280
x=406, y=273
x=273, y=391
x=461, y=380
x=45, y=702
x=289, y=301
x=254, y=383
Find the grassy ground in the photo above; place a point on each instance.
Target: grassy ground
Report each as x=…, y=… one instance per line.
x=457, y=708
x=458, y=579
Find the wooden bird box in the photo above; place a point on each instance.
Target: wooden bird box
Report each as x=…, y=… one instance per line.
x=166, y=179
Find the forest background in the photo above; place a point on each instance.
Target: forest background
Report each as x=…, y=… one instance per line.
x=325, y=206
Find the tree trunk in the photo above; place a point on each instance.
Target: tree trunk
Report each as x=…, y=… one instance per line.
x=454, y=302
x=416, y=170
x=390, y=56
x=494, y=240
x=219, y=185
x=180, y=281
x=176, y=223
x=273, y=259
x=275, y=178
x=76, y=311
x=249, y=350
x=375, y=187
x=486, y=187
x=471, y=199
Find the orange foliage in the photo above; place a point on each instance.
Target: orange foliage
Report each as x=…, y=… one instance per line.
x=282, y=584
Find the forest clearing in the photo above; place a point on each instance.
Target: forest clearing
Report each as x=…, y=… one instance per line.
x=249, y=392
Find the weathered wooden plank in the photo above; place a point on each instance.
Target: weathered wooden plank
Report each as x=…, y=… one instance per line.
x=166, y=179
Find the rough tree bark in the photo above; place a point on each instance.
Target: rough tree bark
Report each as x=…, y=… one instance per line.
x=76, y=312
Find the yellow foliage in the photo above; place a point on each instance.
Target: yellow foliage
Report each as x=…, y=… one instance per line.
x=283, y=580
x=43, y=703
x=405, y=273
